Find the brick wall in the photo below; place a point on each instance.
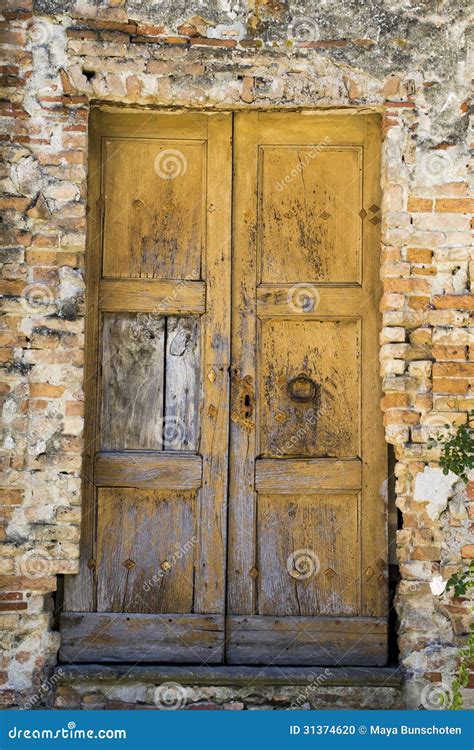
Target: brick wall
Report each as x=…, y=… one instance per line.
x=60, y=56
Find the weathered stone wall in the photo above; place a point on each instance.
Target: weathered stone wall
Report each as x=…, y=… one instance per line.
x=410, y=61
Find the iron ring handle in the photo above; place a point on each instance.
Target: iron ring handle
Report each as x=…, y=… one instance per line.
x=305, y=381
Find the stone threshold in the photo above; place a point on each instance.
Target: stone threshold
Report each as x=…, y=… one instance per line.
x=233, y=676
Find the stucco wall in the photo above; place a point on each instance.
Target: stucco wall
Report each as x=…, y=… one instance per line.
x=409, y=60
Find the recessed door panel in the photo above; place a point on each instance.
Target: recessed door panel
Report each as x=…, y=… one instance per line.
x=310, y=199
x=309, y=388
x=307, y=548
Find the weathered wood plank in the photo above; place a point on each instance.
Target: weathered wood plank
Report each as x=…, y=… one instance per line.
x=307, y=551
x=174, y=638
x=293, y=475
x=373, y=519
x=149, y=469
x=313, y=300
x=243, y=434
x=132, y=381
x=145, y=550
x=214, y=417
x=182, y=384
x=172, y=297
x=348, y=641
x=79, y=589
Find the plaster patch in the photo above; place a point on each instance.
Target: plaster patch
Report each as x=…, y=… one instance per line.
x=435, y=488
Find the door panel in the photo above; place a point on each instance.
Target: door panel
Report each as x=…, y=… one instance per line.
x=307, y=546
x=154, y=225
x=310, y=203
x=316, y=538
x=155, y=465
x=143, y=544
x=309, y=384
x=132, y=381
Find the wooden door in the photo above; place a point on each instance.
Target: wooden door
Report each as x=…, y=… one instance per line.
x=278, y=343
x=152, y=579
x=307, y=546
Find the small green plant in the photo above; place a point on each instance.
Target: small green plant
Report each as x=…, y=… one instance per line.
x=457, y=453
x=461, y=583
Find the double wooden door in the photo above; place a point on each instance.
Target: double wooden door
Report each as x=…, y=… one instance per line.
x=234, y=462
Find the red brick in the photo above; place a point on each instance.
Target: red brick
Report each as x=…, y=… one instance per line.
x=454, y=301
x=455, y=205
x=420, y=204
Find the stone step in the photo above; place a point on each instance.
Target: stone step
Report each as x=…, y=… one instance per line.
x=225, y=688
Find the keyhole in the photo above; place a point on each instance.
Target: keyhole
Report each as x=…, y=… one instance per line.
x=248, y=412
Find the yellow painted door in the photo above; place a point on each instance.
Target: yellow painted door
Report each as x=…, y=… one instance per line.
x=151, y=585
x=307, y=570
x=234, y=454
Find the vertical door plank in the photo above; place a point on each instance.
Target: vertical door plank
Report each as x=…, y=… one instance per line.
x=242, y=496
x=132, y=381
x=79, y=592
x=374, y=584
x=211, y=560
x=182, y=384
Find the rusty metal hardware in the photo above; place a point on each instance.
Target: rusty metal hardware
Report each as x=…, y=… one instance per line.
x=302, y=388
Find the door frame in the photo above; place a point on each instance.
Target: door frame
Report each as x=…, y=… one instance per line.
x=91, y=291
